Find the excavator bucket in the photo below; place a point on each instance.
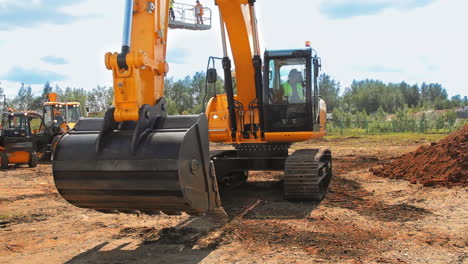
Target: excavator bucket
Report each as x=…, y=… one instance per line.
x=167, y=168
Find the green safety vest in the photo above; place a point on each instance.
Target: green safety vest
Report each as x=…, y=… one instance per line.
x=171, y=4
x=289, y=92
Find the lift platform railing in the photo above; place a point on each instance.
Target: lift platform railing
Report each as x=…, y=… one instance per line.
x=184, y=17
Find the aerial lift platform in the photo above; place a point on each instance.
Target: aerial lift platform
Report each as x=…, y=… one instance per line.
x=185, y=18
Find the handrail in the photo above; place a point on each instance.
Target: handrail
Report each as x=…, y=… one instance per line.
x=185, y=15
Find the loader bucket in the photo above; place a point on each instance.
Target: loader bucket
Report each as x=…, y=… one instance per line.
x=168, y=171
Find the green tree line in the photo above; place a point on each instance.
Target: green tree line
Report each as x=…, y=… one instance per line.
x=370, y=95
x=403, y=120
x=189, y=96
x=96, y=100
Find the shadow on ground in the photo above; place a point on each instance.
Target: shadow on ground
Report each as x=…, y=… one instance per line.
x=195, y=238
x=184, y=243
x=349, y=194
x=263, y=200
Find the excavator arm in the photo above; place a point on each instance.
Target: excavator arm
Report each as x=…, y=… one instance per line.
x=238, y=17
x=139, y=69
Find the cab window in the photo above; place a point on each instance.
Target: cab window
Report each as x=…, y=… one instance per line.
x=286, y=81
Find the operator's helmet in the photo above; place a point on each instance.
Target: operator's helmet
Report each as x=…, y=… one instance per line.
x=292, y=73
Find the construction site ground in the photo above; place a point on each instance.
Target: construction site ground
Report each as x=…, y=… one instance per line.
x=364, y=219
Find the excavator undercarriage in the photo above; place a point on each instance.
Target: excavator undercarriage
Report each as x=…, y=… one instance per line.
x=307, y=172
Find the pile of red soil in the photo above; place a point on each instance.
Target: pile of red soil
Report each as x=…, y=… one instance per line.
x=443, y=164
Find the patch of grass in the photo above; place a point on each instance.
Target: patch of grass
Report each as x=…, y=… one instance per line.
x=23, y=218
x=3, y=217
x=391, y=137
x=9, y=217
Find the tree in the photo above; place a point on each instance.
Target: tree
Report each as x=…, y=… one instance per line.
x=410, y=94
x=182, y=94
x=380, y=115
x=47, y=89
x=99, y=99
x=37, y=104
x=362, y=100
x=58, y=91
x=330, y=91
x=371, y=94
x=75, y=95
x=435, y=94
x=24, y=99
x=457, y=101
x=2, y=101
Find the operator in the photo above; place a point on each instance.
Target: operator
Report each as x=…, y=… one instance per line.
x=171, y=10
x=58, y=118
x=199, y=12
x=292, y=89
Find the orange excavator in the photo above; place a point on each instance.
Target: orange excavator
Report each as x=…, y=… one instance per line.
x=138, y=158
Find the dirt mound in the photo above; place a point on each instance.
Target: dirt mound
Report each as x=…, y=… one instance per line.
x=443, y=164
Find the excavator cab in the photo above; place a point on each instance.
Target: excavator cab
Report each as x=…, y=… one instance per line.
x=291, y=101
x=58, y=116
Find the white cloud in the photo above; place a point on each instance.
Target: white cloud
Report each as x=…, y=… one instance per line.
x=9, y=3
x=343, y=9
x=426, y=43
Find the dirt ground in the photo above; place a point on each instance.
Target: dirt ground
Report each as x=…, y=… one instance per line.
x=364, y=219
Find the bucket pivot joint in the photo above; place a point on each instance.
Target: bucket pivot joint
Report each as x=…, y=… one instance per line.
x=149, y=118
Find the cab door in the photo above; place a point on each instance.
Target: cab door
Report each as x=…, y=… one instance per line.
x=287, y=99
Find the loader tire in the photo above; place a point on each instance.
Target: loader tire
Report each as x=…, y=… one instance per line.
x=33, y=160
x=45, y=156
x=4, y=161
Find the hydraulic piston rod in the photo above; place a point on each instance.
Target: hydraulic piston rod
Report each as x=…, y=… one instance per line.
x=127, y=29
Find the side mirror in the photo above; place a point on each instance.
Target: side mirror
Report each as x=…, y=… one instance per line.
x=212, y=76
x=316, y=67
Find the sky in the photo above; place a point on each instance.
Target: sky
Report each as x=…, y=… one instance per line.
x=64, y=42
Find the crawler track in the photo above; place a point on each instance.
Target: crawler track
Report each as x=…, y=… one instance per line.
x=307, y=174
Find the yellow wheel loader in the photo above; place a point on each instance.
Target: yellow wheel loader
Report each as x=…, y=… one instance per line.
x=59, y=118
